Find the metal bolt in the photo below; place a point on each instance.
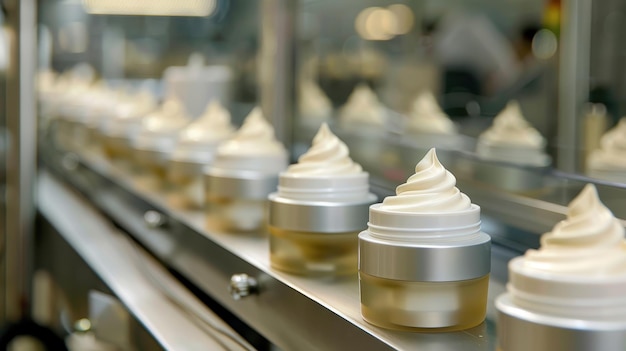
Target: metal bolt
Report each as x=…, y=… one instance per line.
x=154, y=219
x=242, y=285
x=70, y=161
x=82, y=325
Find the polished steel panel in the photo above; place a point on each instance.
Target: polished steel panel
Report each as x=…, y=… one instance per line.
x=21, y=159
x=277, y=74
x=574, y=82
x=167, y=309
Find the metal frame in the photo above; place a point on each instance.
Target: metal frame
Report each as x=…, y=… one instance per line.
x=21, y=160
x=573, y=79
x=131, y=274
x=277, y=66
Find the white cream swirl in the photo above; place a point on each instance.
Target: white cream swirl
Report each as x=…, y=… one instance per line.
x=255, y=137
x=510, y=128
x=313, y=103
x=169, y=118
x=363, y=107
x=327, y=156
x=213, y=126
x=589, y=242
x=427, y=117
x=432, y=189
x=135, y=106
x=612, y=154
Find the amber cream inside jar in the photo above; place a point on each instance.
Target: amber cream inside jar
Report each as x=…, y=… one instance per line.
x=423, y=262
x=570, y=294
x=318, y=211
x=244, y=172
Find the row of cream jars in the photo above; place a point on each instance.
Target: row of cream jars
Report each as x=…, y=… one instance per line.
x=244, y=172
x=570, y=294
x=423, y=261
x=195, y=149
x=319, y=209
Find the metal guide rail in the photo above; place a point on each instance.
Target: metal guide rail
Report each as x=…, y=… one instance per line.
x=293, y=312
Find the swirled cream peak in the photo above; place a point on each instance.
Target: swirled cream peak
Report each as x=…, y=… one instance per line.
x=213, y=126
x=170, y=117
x=327, y=156
x=313, y=103
x=590, y=241
x=255, y=137
x=612, y=152
x=363, y=107
x=432, y=189
x=510, y=128
x=427, y=117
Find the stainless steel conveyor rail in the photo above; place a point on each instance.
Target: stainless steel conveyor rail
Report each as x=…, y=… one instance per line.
x=135, y=278
x=293, y=312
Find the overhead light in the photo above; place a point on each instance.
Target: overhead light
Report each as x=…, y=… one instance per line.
x=378, y=23
x=403, y=19
x=196, y=8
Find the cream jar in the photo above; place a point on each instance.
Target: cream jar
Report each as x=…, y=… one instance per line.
x=100, y=108
x=609, y=162
x=195, y=149
x=70, y=109
x=429, y=126
x=156, y=139
x=244, y=172
x=569, y=295
x=318, y=211
x=362, y=109
x=313, y=104
x=516, y=150
x=120, y=129
x=423, y=261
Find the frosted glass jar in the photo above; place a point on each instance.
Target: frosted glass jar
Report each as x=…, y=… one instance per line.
x=237, y=199
x=545, y=311
x=185, y=182
x=314, y=223
x=424, y=272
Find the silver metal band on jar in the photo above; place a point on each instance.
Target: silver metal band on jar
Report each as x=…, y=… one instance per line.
x=239, y=184
x=319, y=216
x=155, y=157
x=521, y=330
x=439, y=262
x=190, y=168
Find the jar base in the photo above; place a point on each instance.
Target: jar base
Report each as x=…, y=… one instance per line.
x=237, y=216
x=423, y=306
x=313, y=254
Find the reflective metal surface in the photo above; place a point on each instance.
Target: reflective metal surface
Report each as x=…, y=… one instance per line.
x=239, y=184
x=520, y=330
x=143, y=286
x=424, y=262
x=242, y=285
x=573, y=80
x=21, y=159
x=318, y=217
